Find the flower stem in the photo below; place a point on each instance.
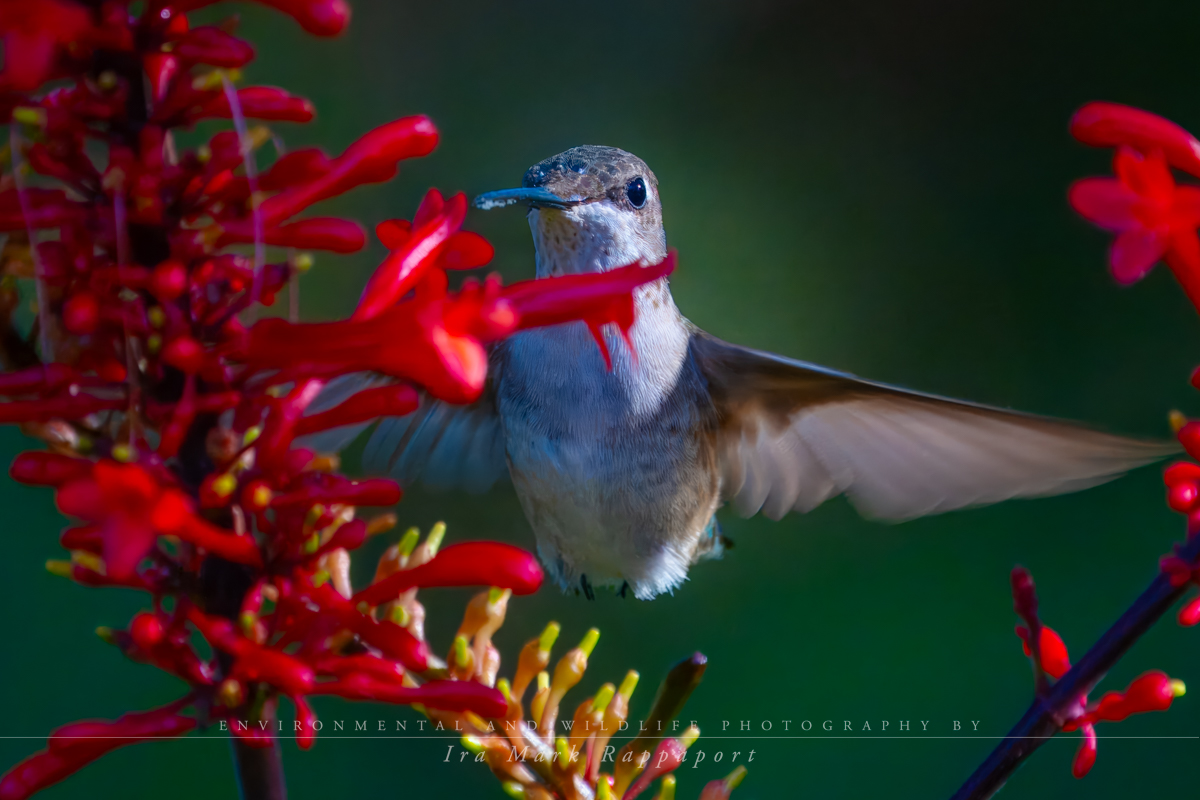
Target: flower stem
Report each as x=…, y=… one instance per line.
x=1043, y=718
x=259, y=769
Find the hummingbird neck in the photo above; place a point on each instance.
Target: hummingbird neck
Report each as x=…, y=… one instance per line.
x=594, y=237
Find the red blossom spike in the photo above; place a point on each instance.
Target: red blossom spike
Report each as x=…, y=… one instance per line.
x=463, y=564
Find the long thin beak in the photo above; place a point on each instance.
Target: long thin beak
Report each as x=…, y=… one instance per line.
x=534, y=198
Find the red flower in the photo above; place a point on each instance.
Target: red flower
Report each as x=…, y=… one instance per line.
x=1152, y=216
x=463, y=564
x=132, y=509
x=1113, y=125
x=74, y=746
x=1053, y=652
x=33, y=31
x=1152, y=691
x=395, y=400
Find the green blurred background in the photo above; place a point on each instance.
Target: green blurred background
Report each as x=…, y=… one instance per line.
x=874, y=186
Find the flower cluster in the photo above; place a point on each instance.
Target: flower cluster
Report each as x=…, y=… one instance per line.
x=170, y=413
x=1152, y=691
x=1155, y=218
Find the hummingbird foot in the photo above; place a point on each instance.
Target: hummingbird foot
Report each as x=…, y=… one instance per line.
x=588, y=591
x=624, y=588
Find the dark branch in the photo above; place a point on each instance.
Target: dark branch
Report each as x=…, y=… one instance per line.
x=1041, y=721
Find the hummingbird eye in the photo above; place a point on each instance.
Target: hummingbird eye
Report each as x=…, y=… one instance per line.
x=636, y=192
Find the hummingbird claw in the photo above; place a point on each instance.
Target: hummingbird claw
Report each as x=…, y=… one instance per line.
x=624, y=588
x=588, y=592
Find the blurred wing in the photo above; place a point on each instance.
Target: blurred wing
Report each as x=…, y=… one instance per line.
x=441, y=445
x=792, y=435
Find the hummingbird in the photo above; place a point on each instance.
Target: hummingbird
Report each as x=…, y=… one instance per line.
x=620, y=471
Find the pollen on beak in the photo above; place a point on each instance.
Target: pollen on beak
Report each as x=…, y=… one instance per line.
x=534, y=197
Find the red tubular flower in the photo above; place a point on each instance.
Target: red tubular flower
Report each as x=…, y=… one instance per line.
x=1189, y=615
x=405, y=266
x=1151, y=691
x=597, y=299
x=36, y=379
x=1153, y=218
x=409, y=341
x=1112, y=125
x=261, y=102
x=166, y=646
x=395, y=400
x=33, y=32
x=48, y=469
x=372, y=492
x=254, y=662
x=1183, y=486
x=61, y=407
x=1085, y=756
x=209, y=44
x=296, y=167
x=318, y=17
x=1055, y=662
x=218, y=541
x=74, y=746
x=444, y=695
x=390, y=639
x=306, y=719
x=317, y=233
x=371, y=159
x=463, y=564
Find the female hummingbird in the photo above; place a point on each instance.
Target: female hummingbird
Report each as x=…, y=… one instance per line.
x=620, y=472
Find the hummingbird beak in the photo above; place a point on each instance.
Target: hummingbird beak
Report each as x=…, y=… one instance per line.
x=532, y=197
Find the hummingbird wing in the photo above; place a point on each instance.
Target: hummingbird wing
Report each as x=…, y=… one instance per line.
x=791, y=435
x=442, y=445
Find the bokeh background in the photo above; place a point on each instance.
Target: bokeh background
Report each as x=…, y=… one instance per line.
x=875, y=186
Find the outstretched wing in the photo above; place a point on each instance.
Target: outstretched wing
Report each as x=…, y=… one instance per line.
x=441, y=445
x=791, y=435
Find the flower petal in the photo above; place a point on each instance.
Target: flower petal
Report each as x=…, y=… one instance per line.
x=1133, y=253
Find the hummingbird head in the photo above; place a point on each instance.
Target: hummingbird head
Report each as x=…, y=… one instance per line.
x=591, y=209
